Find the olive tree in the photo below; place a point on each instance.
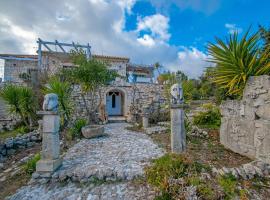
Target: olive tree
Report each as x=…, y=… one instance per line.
x=91, y=75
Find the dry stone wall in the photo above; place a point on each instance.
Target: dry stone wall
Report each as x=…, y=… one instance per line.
x=9, y=146
x=136, y=95
x=245, y=124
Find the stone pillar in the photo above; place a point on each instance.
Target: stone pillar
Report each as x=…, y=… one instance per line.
x=145, y=117
x=178, y=133
x=50, y=155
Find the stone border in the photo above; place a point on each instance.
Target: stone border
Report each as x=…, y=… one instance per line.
x=10, y=145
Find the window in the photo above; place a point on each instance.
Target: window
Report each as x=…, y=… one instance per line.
x=113, y=101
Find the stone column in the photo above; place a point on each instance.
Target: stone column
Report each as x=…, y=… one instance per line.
x=50, y=155
x=178, y=133
x=145, y=117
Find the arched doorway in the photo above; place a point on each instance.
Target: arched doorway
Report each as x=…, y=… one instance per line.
x=114, y=103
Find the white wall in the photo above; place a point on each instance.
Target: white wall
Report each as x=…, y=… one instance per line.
x=2, y=64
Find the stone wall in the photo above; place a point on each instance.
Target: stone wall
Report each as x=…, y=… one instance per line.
x=135, y=95
x=245, y=124
x=14, y=70
x=10, y=145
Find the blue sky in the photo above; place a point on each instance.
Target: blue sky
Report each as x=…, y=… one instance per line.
x=193, y=27
x=174, y=33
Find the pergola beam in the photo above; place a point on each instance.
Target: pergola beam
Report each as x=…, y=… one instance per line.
x=57, y=43
x=61, y=45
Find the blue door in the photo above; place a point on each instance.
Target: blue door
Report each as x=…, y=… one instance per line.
x=113, y=103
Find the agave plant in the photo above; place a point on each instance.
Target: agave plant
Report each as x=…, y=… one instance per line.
x=21, y=101
x=236, y=60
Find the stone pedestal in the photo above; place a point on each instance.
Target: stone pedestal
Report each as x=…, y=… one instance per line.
x=50, y=155
x=178, y=133
x=145, y=117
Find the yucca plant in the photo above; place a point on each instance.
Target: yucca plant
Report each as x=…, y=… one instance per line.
x=21, y=101
x=236, y=60
x=63, y=91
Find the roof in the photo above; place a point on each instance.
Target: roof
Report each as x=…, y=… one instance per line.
x=101, y=57
x=140, y=68
x=111, y=58
x=19, y=56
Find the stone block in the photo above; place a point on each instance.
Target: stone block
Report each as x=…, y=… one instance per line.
x=50, y=146
x=48, y=165
x=92, y=131
x=52, y=124
x=178, y=134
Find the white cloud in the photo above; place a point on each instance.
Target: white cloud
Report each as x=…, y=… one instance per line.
x=126, y=5
x=146, y=40
x=98, y=22
x=26, y=38
x=158, y=25
x=191, y=61
x=232, y=28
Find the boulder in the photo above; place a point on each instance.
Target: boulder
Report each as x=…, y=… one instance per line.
x=92, y=131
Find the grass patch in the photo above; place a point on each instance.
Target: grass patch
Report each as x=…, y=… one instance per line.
x=30, y=166
x=75, y=131
x=14, y=133
x=210, y=118
x=228, y=184
x=172, y=167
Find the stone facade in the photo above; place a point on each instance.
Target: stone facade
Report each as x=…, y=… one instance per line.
x=245, y=124
x=19, y=71
x=135, y=83
x=133, y=95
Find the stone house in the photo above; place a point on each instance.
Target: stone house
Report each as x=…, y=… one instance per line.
x=125, y=96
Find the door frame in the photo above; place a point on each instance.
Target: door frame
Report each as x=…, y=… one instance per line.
x=122, y=101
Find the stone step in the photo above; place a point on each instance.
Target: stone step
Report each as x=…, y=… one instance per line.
x=116, y=119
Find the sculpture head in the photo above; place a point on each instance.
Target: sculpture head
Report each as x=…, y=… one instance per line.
x=50, y=102
x=176, y=93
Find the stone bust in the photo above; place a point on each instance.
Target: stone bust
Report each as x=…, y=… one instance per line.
x=177, y=94
x=50, y=102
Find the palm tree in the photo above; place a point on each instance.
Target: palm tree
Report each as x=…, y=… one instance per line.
x=236, y=60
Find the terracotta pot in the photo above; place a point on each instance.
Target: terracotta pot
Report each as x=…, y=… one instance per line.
x=92, y=131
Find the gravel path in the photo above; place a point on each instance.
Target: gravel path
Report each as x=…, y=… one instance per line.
x=118, y=158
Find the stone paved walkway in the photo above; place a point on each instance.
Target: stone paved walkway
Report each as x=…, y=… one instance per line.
x=117, y=158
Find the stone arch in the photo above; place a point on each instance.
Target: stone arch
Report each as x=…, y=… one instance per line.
x=109, y=101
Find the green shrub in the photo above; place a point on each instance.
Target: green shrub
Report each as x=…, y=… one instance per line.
x=171, y=166
x=22, y=101
x=22, y=129
x=75, y=131
x=228, y=184
x=30, y=166
x=210, y=118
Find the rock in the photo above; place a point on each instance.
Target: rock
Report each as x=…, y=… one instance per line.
x=7, y=170
x=2, y=179
x=4, y=152
x=11, y=152
x=92, y=131
x=155, y=130
x=164, y=124
x=35, y=175
x=30, y=144
x=9, y=143
x=1, y=165
x=249, y=170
